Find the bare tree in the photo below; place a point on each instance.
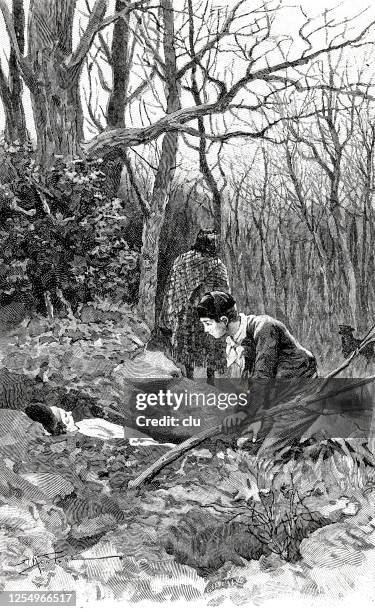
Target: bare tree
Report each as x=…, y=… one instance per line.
x=11, y=85
x=325, y=142
x=221, y=96
x=154, y=219
x=258, y=69
x=243, y=33
x=198, y=93
x=358, y=181
x=52, y=69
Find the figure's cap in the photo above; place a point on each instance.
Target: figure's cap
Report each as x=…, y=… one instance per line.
x=344, y=329
x=206, y=241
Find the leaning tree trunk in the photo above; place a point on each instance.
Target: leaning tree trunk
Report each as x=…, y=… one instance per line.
x=152, y=227
x=153, y=222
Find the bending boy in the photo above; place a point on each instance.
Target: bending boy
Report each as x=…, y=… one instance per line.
x=259, y=348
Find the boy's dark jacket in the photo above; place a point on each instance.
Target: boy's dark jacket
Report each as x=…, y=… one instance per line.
x=272, y=352
x=273, y=360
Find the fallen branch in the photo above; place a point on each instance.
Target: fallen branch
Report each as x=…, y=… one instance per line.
x=173, y=454
x=297, y=402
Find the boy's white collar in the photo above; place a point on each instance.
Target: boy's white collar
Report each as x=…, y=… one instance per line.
x=234, y=350
x=240, y=334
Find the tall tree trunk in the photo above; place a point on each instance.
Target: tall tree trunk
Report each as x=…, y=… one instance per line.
x=163, y=180
x=366, y=229
x=58, y=117
x=55, y=91
x=300, y=275
x=337, y=221
x=324, y=269
x=114, y=163
x=203, y=162
x=283, y=273
x=11, y=88
x=258, y=222
x=120, y=69
x=313, y=229
x=337, y=224
x=364, y=292
x=273, y=265
x=349, y=272
x=263, y=279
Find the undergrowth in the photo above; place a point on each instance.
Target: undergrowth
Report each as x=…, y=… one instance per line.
x=265, y=507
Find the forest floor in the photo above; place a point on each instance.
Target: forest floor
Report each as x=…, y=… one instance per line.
x=218, y=525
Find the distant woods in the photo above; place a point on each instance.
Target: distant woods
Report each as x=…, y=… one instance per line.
x=194, y=114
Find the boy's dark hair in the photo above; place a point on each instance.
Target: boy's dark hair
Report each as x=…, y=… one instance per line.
x=44, y=415
x=217, y=304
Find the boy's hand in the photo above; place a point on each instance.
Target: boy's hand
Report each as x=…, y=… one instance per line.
x=232, y=421
x=253, y=429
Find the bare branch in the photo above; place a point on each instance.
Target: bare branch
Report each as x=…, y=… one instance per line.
x=224, y=31
x=124, y=137
x=106, y=87
x=105, y=48
x=306, y=59
x=138, y=5
x=95, y=121
x=140, y=88
x=347, y=89
x=93, y=26
x=261, y=133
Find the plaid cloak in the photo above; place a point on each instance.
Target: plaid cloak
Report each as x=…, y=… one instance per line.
x=192, y=275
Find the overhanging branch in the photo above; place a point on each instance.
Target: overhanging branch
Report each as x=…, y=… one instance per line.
x=122, y=138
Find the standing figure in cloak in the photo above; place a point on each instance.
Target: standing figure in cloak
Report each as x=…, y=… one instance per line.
x=192, y=275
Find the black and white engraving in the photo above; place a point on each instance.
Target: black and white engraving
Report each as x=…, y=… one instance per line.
x=187, y=318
